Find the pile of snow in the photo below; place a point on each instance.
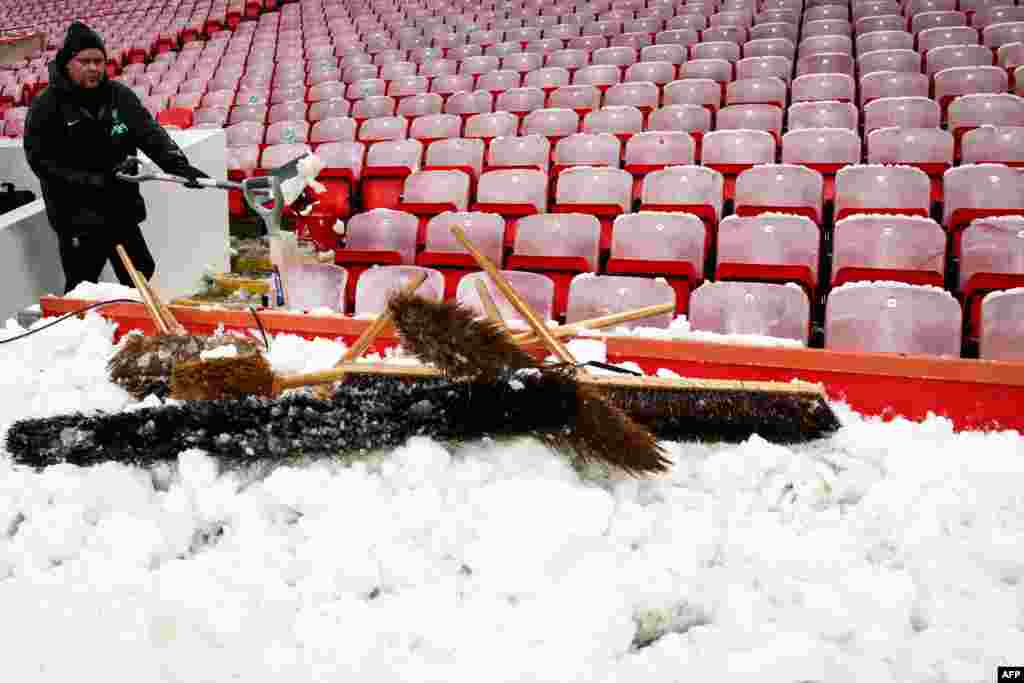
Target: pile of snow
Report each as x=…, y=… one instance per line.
x=679, y=329
x=102, y=291
x=890, y=553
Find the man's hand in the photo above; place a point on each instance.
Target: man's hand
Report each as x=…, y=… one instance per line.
x=129, y=166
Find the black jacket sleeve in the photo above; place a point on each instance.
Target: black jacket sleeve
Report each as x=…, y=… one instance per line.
x=151, y=137
x=43, y=136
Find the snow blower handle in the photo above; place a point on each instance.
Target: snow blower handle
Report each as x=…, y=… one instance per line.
x=255, y=190
x=141, y=176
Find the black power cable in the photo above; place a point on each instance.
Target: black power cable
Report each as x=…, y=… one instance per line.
x=64, y=317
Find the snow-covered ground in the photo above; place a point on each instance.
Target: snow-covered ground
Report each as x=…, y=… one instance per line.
x=891, y=553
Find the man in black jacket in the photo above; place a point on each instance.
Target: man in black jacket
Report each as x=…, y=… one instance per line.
x=78, y=134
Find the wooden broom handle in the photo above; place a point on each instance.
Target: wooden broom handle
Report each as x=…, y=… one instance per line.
x=368, y=336
x=339, y=371
x=531, y=317
x=487, y=300
x=147, y=296
x=598, y=323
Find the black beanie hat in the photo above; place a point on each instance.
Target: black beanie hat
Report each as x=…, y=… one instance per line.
x=79, y=37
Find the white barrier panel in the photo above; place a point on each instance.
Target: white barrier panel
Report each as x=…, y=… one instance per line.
x=187, y=230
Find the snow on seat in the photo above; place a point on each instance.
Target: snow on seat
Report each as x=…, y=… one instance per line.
x=922, y=21
x=1002, y=326
x=929, y=149
x=334, y=129
x=275, y=156
x=520, y=101
x=970, y=111
x=619, y=120
x=666, y=52
x=388, y=163
x=656, y=73
x=757, y=91
x=827, y=27
x=642, y=95
x=948, y=56
x=445, y=253
x=730, y=152
x=569, y=59
x=980, y=191
x=528, y=151
x=364, y=88
x=667, y=245
x=702, y=92
x=775, y=40
x=901, y=112
x=467, y=103
x=463, y=154
x=823, y=114
x=906, y=61
x=780, y=188
x=653, y=151
x=408, y=86
x=931, y=38
x=907, y=249
x=599, y=191
x=825, y=44
x=383, y=128
x=873, y=188
x=429, y=193
x=587, y=149
x=554, y=123
x=878, y=15
x=730, y=52
x=343, y=169
x=769, y=247
x=994, y=144
x=893, y=84
x=326, y=109
x=491, y=125
x=548, y=79
x=815, y=87
x=893, y=317
x=718, y=70
x=315, y=285
x=523, y=62
x=968, y=80
x=591, y=296
x=828, y=63
x=512, y=193
x=682, y=118
x=287, y=133
x=376, y=237
x=685, y=189
x=559, y=246
x=377, y=285
x=768, y=66
x=499, y=81
x=620, y=56
x=825, y=150
x=581, y=98
x=751, y=308
x=433, y=127
x=422, y=104
x=874, y=41
x=991, y=259
x=537, y=289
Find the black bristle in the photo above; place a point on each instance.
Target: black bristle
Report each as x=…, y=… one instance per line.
x=730, y=415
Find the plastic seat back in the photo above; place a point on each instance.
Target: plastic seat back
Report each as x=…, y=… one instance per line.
x=814, y=87
x=826, y=148
x=692, y=186
x=916, y=146
x=485, y=230
x=751, y=308
x=377, y=285
x=586, y=185
x=913, y=244
x=892, y=84
x=463, y=153
x=976, y=190
x=882, y=189
x=1002, y=326
x=325, y=109
x=659, y=236
x=383, y=230
x=780, y=187
x=994, y=144
x=769, y=239
x=659, y=149
x=619, y=120
x=992, y=246
x=524, y=151
x=901, y=112
x=491, y=125
x=514, y=187
x=373, y=107
x=384, y=128
x=435, y=127
x=590, y=149
x=437, y=187
x=536, y=288
x=559, y=235
x=824, y=114
x=395, y=154
x=591, y=296
x=880, y=317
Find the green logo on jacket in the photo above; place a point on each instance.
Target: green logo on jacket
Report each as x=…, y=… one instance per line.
x=119, y=128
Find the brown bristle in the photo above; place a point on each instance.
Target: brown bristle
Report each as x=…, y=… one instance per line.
x=450, y=337
x=222, y=378
x=605, y=433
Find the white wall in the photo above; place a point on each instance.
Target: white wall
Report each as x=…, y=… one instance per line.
x=187, y=230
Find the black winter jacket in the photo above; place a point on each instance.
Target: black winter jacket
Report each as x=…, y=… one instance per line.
x=74, y=153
